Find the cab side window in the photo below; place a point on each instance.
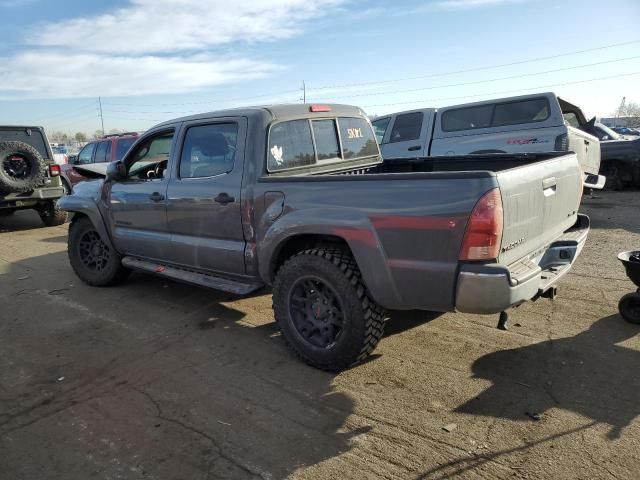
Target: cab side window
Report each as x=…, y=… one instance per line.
x=380, y=128
x=406, y=127
x=208, y=150
x=150, y=158
x=103, y=152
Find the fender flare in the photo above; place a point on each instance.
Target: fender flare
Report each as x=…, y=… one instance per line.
x=359, y=235
x=89, y=208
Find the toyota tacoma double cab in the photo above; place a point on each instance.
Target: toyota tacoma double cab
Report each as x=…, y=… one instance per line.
x=297, y=197
x=29, y=176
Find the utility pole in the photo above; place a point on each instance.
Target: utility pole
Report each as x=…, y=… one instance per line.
x=620, y=109
x=101, y=117
x=304, y=92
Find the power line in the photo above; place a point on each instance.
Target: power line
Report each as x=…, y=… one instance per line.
x=523, y=75
x=67, y=112
x=476, y=69
x=504, y=91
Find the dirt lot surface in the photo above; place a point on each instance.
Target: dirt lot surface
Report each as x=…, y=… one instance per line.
x=159, y=380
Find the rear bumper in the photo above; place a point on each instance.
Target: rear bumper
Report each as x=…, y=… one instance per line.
x=28, y=199
x=494, y=288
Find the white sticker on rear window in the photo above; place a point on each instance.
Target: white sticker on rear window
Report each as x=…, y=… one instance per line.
x=277, y=153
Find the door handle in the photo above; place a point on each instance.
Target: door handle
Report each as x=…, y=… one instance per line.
x=586, y=142
x=549, y=182
x=156, y=197
x=414, y=148
x=224, y=198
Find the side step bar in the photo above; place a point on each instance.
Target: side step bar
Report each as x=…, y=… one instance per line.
x=189, y=276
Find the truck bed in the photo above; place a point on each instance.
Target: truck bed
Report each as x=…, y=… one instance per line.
x=405, y=221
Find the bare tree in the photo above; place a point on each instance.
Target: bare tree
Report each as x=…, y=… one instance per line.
x=80, y=137
x=631, y=112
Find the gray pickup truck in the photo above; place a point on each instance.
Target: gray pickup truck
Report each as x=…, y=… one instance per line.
x=297, y=197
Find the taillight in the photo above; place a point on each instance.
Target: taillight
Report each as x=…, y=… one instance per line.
x=483, y=235
x=562, y=143
x=54, y=170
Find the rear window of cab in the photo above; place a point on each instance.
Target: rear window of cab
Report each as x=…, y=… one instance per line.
x=307, y=143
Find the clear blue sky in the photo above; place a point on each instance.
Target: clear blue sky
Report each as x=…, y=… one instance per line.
x=151, y=60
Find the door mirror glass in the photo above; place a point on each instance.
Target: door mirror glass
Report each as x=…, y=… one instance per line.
x=72, y=159
x=116, y=171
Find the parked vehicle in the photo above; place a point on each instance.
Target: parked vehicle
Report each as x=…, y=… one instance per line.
x=298, y=197
x=108, y=149
x=530, y=123
x=631, y=132
x=29, y=178
x=60, y=153
x=620, y=157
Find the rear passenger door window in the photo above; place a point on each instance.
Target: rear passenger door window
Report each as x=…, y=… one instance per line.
x=102, y=152
x=124, y=144
x=406, y=127
x=290, y=146
x=209, y=150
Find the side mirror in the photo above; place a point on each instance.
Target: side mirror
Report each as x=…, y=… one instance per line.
x=116, y=171
x=72, y=159
x=605, y=137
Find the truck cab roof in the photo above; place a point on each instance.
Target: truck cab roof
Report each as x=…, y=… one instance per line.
x=276, y=112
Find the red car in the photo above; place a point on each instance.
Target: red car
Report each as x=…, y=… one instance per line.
x=108, y=149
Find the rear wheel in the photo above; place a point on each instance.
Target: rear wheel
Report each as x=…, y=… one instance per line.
x=324, y=310
x=51, y=215
x=91, y=258
x=629, y=307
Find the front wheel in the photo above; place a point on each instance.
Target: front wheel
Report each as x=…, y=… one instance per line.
x=629, y=307
x=51, y=215
x=324, y=310
x=91, y=258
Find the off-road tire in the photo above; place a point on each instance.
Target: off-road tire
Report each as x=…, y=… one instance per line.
x=112, y=272
x=6, y=212
x=51, y=215
x=31, y=172
x=629, y=307
x=363, y=318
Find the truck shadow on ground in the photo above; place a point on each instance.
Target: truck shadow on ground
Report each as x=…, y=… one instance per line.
x=197, y=383
x=589, y=374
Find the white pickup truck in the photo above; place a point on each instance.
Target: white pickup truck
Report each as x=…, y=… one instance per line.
x=535, y=123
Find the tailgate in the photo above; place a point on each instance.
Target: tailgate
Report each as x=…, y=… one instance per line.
x=540, y=201
x=587, y=147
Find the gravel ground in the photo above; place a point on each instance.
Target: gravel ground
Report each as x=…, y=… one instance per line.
x=159, y=380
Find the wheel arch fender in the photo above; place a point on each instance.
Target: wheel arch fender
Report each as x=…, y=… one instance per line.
x=83, y=206
x=305, y=229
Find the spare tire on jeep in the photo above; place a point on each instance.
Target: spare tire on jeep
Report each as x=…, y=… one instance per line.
x=22, y=168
